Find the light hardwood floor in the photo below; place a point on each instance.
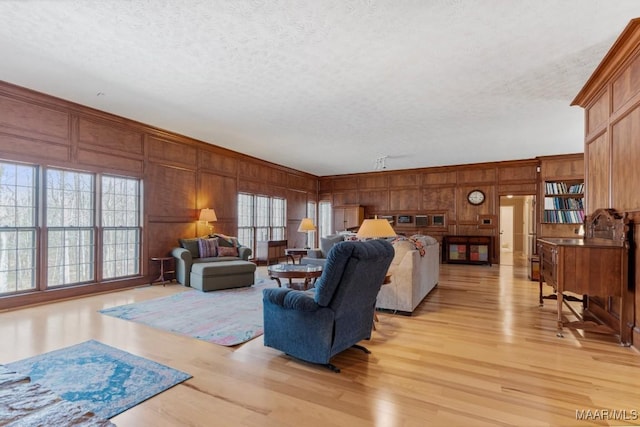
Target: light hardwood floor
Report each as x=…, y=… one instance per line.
x=477, y=352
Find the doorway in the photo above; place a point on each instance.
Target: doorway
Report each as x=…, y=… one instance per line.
x=517, y=229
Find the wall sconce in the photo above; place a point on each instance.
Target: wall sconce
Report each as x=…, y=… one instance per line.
x=306, y=225
x=208, y=215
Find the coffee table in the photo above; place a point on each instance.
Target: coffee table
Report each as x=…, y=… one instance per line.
x=295, y=271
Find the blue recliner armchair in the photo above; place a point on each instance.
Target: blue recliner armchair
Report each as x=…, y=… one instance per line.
x=316, y=325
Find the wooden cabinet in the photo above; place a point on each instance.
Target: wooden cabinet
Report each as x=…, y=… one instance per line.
x=594, y=266
x=467, y=249
x=612, y=147
x=270, y=251
x=346, y=217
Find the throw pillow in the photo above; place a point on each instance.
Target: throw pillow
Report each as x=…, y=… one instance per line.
x=225, y=251
x=227, y=241
x=208, y=247
x=191, y=245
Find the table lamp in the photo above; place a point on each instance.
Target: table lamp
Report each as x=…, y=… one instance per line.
x=306, y=225
x=375, y=229
x=208, y=215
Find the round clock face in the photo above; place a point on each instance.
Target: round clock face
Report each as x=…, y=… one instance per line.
x=476, y=197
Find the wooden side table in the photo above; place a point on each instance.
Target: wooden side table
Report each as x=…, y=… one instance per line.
x=163, y=269
x=295, y=252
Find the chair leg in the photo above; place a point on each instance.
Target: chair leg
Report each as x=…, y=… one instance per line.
x=333, y=367
x=359, y=347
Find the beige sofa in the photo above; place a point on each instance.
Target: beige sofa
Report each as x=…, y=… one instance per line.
x=412, y=276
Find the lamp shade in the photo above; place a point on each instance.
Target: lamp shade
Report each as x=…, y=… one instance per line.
x=375, y=228
x=208, y=215
x=306, y=225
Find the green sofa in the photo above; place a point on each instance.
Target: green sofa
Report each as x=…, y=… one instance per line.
x=213, y=272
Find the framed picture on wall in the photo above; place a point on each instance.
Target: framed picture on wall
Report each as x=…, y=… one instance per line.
x=438, y=220
x=422, y=220
x=405, y=219
x=387, y=217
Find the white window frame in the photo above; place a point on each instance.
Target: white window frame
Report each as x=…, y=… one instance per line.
x=70, y=227
x=121, y=230
x=18, y=227
x=261, y=218
x=325, y=218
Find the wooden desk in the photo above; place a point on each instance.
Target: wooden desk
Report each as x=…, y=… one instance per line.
x=594, y=266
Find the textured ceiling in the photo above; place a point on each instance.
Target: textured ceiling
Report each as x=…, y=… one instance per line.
x=326, y=86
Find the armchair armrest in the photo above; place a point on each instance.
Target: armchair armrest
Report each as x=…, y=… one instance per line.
x=184, y=261
x=244, y=252
x=290, y=299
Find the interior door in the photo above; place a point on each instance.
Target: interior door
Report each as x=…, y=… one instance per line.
x=506, y=228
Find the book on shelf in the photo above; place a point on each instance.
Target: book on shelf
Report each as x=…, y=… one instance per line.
x=551, y=203
x=564, y=216
x=563, y=188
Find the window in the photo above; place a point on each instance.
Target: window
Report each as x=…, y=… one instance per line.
x=18, y=243
x=277, y=220
x=70, y=227
x=120, y=227
x=324, y=218
x=245, y=220
x=311, y=235
x=261, y=218
x=71, y=203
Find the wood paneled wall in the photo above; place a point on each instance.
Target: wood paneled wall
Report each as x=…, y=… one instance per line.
x=434, y=190
x=181, y=175
x=611, y=99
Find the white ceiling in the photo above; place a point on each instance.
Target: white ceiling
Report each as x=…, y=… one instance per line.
x=326, y=86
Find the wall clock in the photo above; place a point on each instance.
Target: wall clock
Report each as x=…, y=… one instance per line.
x=476, y=197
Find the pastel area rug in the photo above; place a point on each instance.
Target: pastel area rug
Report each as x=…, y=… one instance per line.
x=227, y=317
x=99, y=378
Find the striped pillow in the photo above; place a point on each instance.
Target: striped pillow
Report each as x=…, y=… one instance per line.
x=208, y=247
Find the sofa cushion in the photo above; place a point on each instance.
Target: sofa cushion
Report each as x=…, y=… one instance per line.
x=224, y=268
x=191, y=245
x=326, y=243
x=426, y=240
x=226, y=251
x=417, y=243
x=208, y=247
x=401, y=248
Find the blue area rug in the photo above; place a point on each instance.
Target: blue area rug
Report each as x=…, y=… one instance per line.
x=227, y=317
x=99, y=378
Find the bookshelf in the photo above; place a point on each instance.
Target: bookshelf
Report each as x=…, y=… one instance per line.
x=563, y=202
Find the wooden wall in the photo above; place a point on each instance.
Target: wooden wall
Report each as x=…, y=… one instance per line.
x=611, y=99
x=436, y=190
x=181, y=175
